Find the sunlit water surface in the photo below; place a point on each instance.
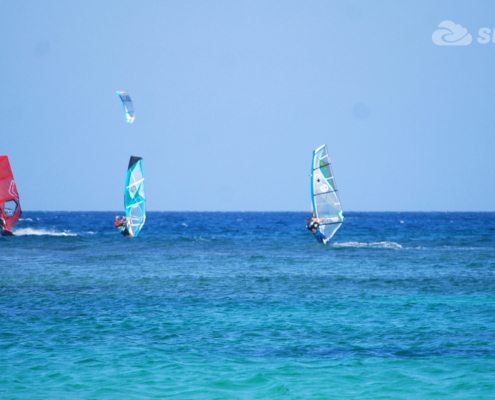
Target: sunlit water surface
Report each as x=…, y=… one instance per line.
x=248, y=306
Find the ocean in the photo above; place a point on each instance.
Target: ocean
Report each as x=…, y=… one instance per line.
x=247, y=305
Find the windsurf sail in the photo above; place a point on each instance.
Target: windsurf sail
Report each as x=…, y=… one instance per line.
x=325, y=200
x=10, y=207
x=128, y=107
x=134, y=196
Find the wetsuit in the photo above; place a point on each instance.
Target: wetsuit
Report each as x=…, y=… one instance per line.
x=122, y=227
x=313, y=227
x=4, y=231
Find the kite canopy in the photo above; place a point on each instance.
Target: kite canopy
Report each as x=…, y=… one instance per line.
x=10, y=208
x=128, y=107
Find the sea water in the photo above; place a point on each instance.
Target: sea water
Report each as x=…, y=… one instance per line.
x=248, y=305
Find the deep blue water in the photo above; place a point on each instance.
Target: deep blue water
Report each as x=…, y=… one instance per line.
x=248, y=306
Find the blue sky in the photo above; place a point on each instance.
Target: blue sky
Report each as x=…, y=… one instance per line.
x=231, y=98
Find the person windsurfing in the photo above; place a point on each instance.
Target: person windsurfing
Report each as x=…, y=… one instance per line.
x=121, y=225
x=3, y=226
x=312, y=225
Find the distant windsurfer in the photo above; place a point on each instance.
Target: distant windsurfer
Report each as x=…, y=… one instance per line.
x=312, y=224
x=3, y=226
x=121, y=225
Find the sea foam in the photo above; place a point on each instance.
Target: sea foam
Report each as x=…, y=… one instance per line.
x=41, y=232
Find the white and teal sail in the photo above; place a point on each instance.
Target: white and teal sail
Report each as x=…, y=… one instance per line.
x=325, y=200
x=134, y=196
x=128, y=107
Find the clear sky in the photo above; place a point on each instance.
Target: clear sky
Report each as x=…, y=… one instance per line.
x=231, y=98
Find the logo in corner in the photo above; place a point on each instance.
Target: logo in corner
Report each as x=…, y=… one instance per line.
x=451, y=34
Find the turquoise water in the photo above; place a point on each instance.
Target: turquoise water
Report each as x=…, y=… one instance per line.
x=248, y=306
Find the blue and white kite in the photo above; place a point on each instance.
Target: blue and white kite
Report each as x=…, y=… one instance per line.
x=128, y=107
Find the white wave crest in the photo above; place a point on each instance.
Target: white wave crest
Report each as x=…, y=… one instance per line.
x=39, y=232
x=376, y=245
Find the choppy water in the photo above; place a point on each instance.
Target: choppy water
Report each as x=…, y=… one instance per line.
x=248, y=306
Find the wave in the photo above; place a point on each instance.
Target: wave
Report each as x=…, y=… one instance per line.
x=40, y=232
x=375, y=245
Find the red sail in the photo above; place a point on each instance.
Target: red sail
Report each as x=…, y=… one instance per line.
x=10, y=208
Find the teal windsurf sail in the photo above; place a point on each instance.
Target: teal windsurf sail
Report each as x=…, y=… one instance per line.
x=325, y=200
x=128, y=107
x=134, y=196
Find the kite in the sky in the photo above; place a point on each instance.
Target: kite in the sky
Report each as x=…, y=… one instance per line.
x=128, y=106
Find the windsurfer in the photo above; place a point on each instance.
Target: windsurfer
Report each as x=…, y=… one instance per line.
x=3, y=227
x=312, y=224
x=121, y=225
